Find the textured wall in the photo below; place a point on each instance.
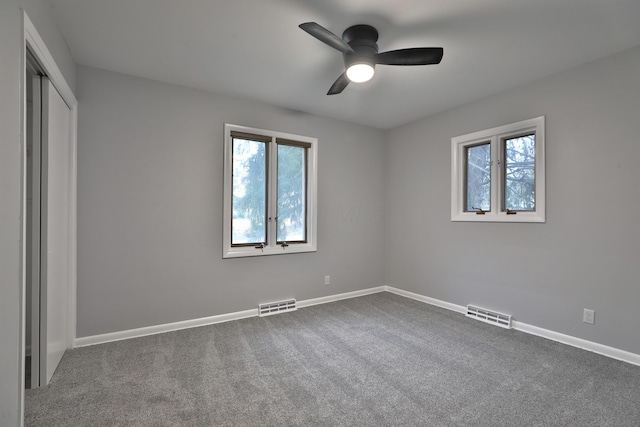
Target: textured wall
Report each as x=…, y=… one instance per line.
x=150, y=171
x=585, y=256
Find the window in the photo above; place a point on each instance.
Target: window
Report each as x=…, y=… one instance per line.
x=269, y=192
x=498, y=174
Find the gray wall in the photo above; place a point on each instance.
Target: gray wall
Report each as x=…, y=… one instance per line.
x=586, y=255
x=150, y=172
x=10, y=177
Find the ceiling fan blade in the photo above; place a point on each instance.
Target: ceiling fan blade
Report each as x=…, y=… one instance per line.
x=411, y=56
x=339, y=85
x=326, y=36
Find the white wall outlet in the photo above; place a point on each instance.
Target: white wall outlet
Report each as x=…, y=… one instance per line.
x=327, y=280
x=589, y=316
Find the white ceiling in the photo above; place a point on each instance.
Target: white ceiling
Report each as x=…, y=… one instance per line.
x=254, y=48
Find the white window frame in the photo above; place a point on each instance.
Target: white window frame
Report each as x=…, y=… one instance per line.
x=495, y=137
x=272, y=247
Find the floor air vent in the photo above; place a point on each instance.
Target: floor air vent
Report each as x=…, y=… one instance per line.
x=276, y=307
x=488, y=316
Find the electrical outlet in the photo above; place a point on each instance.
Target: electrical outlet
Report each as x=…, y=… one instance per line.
x=327, y=280
x=589, y=316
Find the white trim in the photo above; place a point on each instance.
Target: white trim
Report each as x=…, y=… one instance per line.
x=438, y=303
x=22, y=324
x=338, y=297
x=40, y=50
x=271, y=248
x=167, y=327
x=594, y=347
x=494, y=136
x=205, y=321
x=73, y=228
x=34, y=41
x=604, y=350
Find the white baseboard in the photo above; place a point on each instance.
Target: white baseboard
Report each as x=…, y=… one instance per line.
x=594, y=347
x=159, y=329
x=204, y=321
x=428, y=300
x=338, y=297
x=604, y=350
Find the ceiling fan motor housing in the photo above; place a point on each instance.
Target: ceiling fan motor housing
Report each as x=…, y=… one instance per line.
x=362, y=39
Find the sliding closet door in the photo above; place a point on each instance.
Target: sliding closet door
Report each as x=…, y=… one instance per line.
x=55, y=179
x=34, y=161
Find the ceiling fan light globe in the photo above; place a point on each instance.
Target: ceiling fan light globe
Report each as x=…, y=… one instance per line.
x=360, y=72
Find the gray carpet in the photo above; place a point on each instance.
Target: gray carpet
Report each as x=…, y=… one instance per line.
x=376, y=360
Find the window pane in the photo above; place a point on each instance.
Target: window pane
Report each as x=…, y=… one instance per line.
x=520, y=178
x=292, y=209
x=478, y=177
x=248, y=222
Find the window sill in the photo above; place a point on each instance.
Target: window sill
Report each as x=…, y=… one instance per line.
x=499, y=217
x=250, y=251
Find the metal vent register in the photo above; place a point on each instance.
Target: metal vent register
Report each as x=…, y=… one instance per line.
x=276, y=307
x=488, y=316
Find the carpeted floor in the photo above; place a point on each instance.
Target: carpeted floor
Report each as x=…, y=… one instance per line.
x=378, y=360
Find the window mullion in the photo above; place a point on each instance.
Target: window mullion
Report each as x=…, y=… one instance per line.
x=272, y=197
x=496, y=171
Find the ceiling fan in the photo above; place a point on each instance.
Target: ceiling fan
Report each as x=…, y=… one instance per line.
x=360, y=50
